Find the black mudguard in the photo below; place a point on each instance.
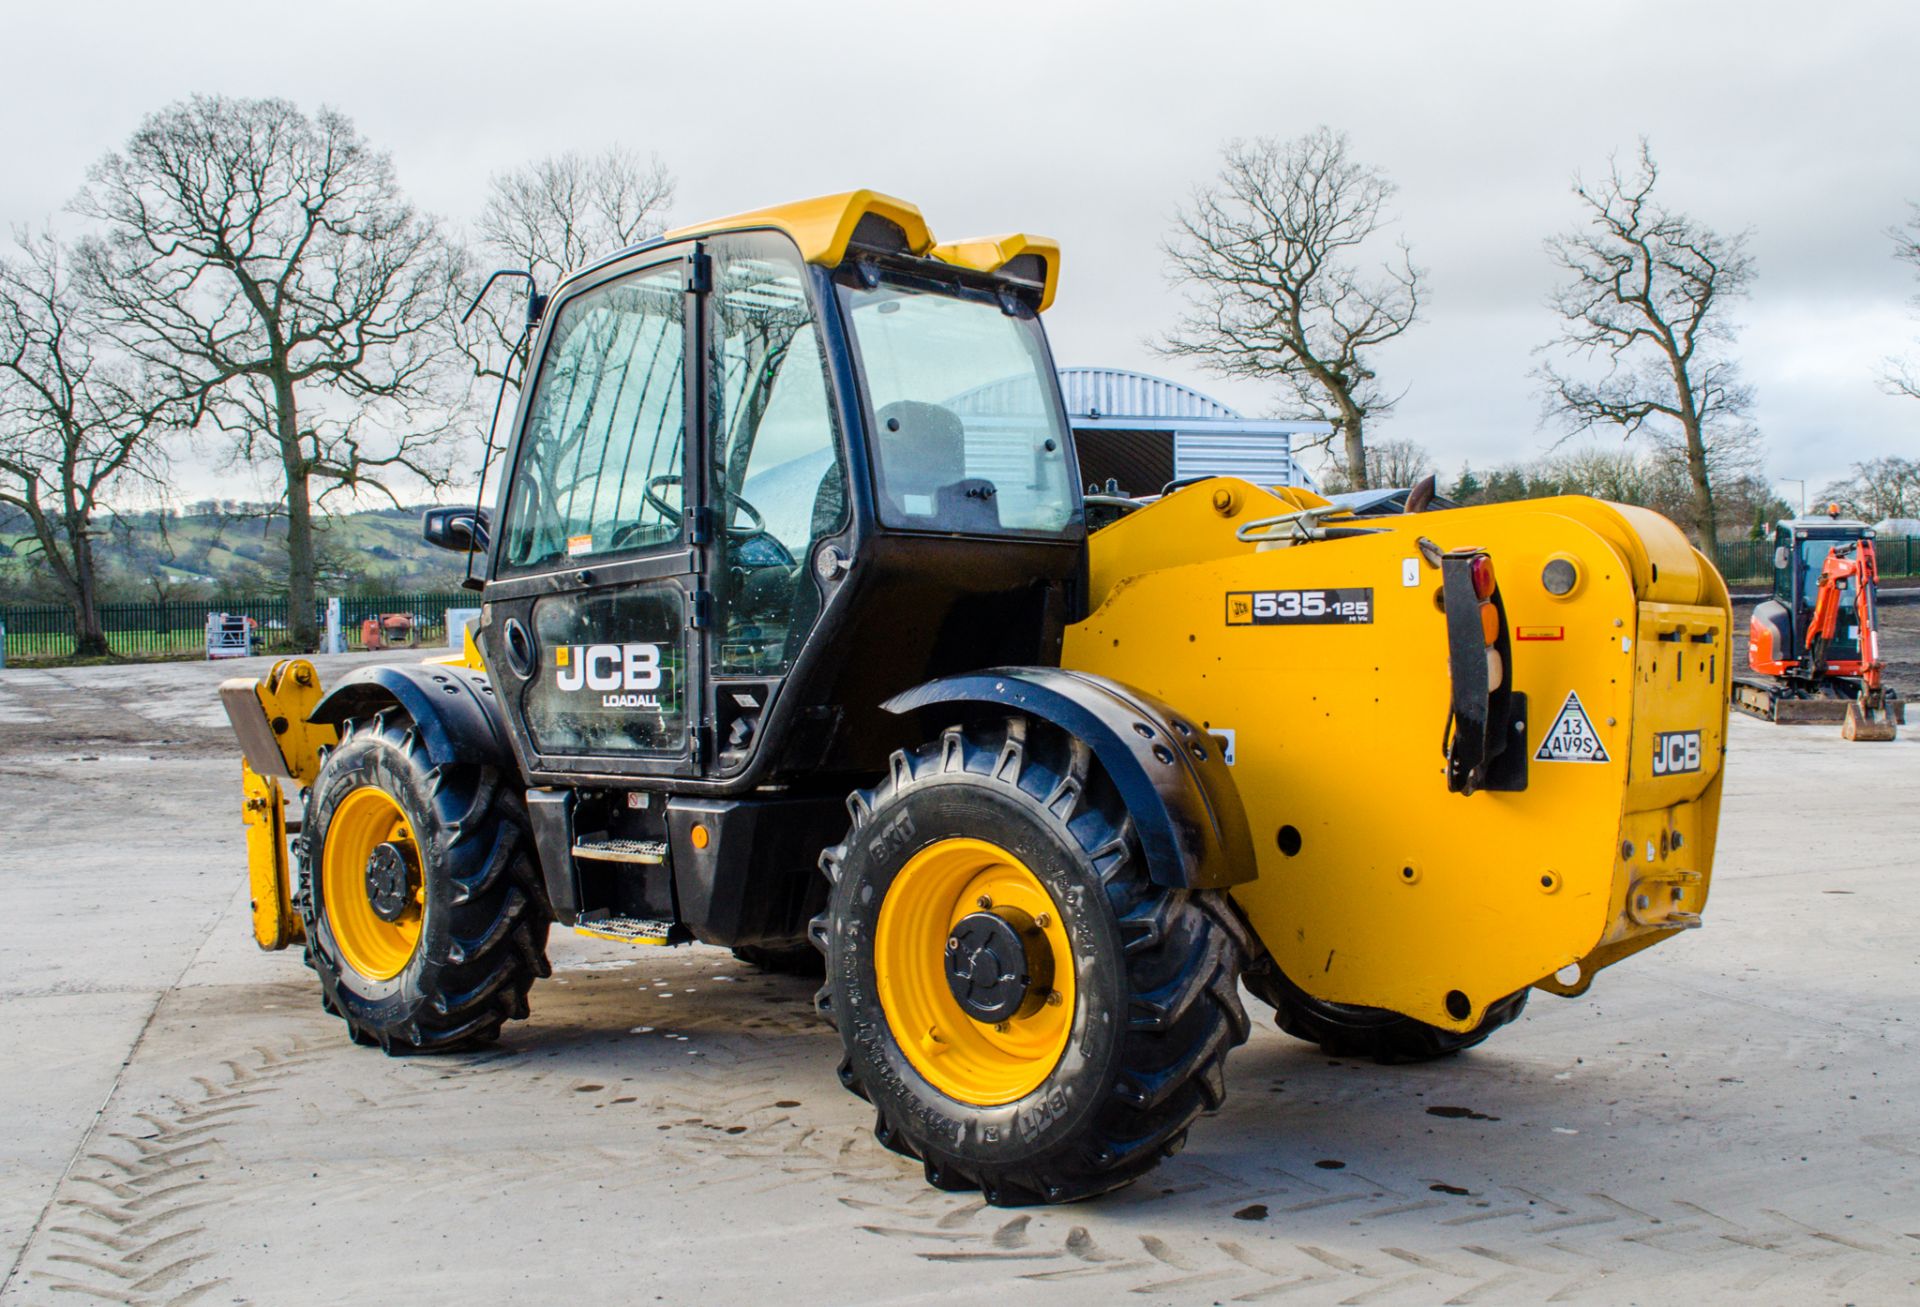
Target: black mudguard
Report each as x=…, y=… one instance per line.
x=453, y=708
x=1172, y=775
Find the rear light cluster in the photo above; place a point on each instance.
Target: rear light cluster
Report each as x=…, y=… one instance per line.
x=1481, y=568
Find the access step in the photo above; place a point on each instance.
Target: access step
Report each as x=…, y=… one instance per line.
x=627, y=930
x=649, y=852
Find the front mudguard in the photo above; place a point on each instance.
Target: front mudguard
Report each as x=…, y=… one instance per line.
x=452, y=707
x=1172, y=775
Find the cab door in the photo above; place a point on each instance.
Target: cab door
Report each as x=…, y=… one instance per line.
x=596, y=583
x=777, y=472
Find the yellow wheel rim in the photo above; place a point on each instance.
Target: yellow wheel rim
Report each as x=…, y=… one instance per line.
x=972, y=1061
x=373, y=946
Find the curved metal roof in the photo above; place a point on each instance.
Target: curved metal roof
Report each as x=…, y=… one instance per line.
x=1116, y=392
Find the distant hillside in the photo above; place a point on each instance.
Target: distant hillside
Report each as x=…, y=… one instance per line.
x=234, y=549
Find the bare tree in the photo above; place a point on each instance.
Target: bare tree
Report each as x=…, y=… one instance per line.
x=1265, y=252
x=75, y=423
x=1879, y=488
x=550, y=217
x=1646, y=298
x=266, y=264
x=1389, y=463
x=1899, y=376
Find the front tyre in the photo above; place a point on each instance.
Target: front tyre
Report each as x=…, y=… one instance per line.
x=1029, y=1014
x=426, y=921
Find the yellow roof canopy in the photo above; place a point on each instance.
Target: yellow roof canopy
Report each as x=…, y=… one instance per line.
x=823, y=227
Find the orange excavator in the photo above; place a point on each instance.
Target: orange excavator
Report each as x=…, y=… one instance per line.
x=1815, y=646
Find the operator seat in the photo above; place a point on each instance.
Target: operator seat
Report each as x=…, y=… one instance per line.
x=922, y=469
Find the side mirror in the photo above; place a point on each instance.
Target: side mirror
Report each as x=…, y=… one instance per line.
x=457, y=528
x=1780, y=557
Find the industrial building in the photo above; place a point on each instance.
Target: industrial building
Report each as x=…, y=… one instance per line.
x=1141, y=432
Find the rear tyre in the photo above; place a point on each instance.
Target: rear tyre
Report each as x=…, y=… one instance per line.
x=801, y=959
x=1345, y=1030
x=426, y=919
x=1098, y=1006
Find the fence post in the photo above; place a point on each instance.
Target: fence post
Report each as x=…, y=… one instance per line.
x=334, y=643
x=3, y=644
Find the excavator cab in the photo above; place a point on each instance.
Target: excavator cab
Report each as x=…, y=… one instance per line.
x=1813, y=647
x=1776, y=636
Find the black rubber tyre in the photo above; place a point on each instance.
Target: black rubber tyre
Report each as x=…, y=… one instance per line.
x=1156, y=971
x=484, y=919
x=801, y=959
x=1342, y=1030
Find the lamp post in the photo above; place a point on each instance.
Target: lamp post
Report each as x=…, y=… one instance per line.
x=1798, y=481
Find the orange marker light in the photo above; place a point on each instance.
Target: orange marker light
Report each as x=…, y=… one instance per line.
x=699, y=837
x=1490, y=623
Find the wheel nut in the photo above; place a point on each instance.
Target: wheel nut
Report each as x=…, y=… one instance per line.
x=1044, y=920
x=1001, y=1027
x=1054, y=999
x=983, y=903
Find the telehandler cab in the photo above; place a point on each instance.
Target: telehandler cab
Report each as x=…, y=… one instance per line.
x=792, y=634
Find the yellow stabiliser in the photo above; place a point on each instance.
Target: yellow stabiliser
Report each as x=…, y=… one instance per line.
x=279, y=744
x=263, y=810
x=1400, y=894
x=377, y=949
x=967, y=1060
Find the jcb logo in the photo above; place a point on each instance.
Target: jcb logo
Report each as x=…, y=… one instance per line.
x=1675, y=752
x=603, y=667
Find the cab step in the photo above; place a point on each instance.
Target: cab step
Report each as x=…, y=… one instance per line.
x=648, y=852
x=628, y=930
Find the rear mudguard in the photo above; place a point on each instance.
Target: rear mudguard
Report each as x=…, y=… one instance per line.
x=1171, y=775
x=1328, y=662
x=453, y=708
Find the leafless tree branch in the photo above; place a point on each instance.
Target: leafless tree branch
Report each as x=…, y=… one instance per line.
x=77, y=419
x=1644, y=329
x=1266, y=254
x=265, y=266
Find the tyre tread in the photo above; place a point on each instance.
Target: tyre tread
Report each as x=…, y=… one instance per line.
x=1181, y=951
x=499, y=915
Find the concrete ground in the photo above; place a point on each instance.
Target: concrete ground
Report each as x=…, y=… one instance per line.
x=1732, y=1117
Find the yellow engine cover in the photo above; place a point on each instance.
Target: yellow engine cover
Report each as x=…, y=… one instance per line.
x=1376, y=885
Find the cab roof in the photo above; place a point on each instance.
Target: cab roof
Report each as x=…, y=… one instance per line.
x=1825, y=522
x=827, y=226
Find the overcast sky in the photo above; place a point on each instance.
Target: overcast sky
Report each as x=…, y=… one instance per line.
x=1091, y=121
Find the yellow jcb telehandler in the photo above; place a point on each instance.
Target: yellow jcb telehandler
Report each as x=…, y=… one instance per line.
x=793, y=637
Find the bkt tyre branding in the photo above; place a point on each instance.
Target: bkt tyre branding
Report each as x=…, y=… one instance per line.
x=1675, y=752
x=623, y=675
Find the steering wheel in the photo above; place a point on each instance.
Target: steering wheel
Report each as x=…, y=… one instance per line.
x=754, y=525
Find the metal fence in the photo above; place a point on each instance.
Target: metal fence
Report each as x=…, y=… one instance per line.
x=1752, y=560
x=155, y=628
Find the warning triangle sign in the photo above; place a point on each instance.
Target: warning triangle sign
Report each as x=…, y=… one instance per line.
x=1572, y=738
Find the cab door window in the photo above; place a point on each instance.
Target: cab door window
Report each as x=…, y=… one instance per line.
x=778, y=468
x=600, y=461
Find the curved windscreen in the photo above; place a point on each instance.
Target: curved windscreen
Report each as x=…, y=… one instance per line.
x=965, y=420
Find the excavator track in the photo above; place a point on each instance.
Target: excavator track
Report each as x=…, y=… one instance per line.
x=1771, y=702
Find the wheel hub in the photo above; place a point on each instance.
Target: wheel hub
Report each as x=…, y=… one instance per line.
x=389, y=881
x=998, y=964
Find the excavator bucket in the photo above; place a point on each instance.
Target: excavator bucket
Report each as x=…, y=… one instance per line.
x=1868, y=722
x=1447, y=806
